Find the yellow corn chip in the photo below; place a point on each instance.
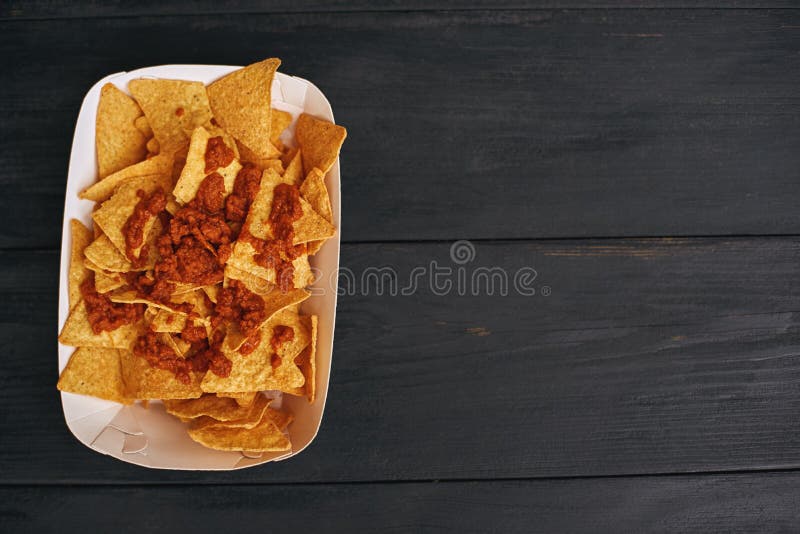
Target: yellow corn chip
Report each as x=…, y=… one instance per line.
x=281, y=419
x=264, y=437
x=243, y=398
x=174, y=108
x=274, y=301
x=119, y=143
x=256, y=371
x=145, y=382
x=307, y=363
x=152, y=146
x=241, y=101
x=143, y=126
x=157, y=169
x=314, y=190
x=258, y=409
x=194, y=173
x=243, y=256
x=105, y=282
x=280, y=121
x=96, y=372
x=105, y=256
x=78, y=332
x=219, y=408
x=211, y=292
x=115, y=212
x=81, y=237
x=294, y=170
x=310, y=227
x=319, y=142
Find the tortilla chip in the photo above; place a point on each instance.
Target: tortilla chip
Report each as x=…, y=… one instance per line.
x=255, y=371
x=150, y=169
x=310, y=227
x=145, y=382
x=280, y=121
x=308, y=364
x=81, y=237
x=274, y=301
x=167, y=321
x=241, y=103
x=105, y=256
x=96, y=372
x=264, y=437
x=281, y=419
x=114, y=213
x=219, y=408
x=244, y=398
x=152, y=146
x=258, y=409
x=193, y=172
x=105, y=282
x=314, y=190
x=196, y=298
x=243, y=256
x=119, y=143
x=143, y=126
x=174, y=108
x=294, y=170
x=211, y=292
x=78, y=332
x=319, y=142
x=272, y=162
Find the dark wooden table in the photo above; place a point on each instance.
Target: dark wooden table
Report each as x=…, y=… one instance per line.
x=643, y=156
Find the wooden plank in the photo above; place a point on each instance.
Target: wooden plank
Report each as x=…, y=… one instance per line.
x=517, y=124
x=21, y=10
x=647, y=356
x=763, y=502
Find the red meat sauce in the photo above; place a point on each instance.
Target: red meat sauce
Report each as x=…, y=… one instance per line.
x=105, y=315
x=218, y=154
x=194, y=247
x=204, y=355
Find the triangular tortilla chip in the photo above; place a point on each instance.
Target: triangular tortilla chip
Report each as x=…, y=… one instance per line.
x=145, y=382
x=258, y=409
x=319, y=142
x=219, y=408
x=255, y=371
x=115, y=212
x=143, y=126
x=119, y=143
x=264, y=437
x=194, y=173
x=243, y=256
x=104, y=255
x=307, y=362
x=174, y=108
x=241, y=103
x=244, y=398
x=81, y=237
x=280, y=121
x=274, y=301
x=105, y=282
x=315, y=191
x=96, y=372
x=78, y=332
x=157, y=168
x=294, y=171
x=281, y=419
x=310, y=227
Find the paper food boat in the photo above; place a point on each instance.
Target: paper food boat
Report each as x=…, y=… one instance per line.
x=150, y=437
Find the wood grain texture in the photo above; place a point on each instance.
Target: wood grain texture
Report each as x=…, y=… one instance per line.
x=477, y=124
x=763, y=502
x=648, y=356
x=26, y=10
